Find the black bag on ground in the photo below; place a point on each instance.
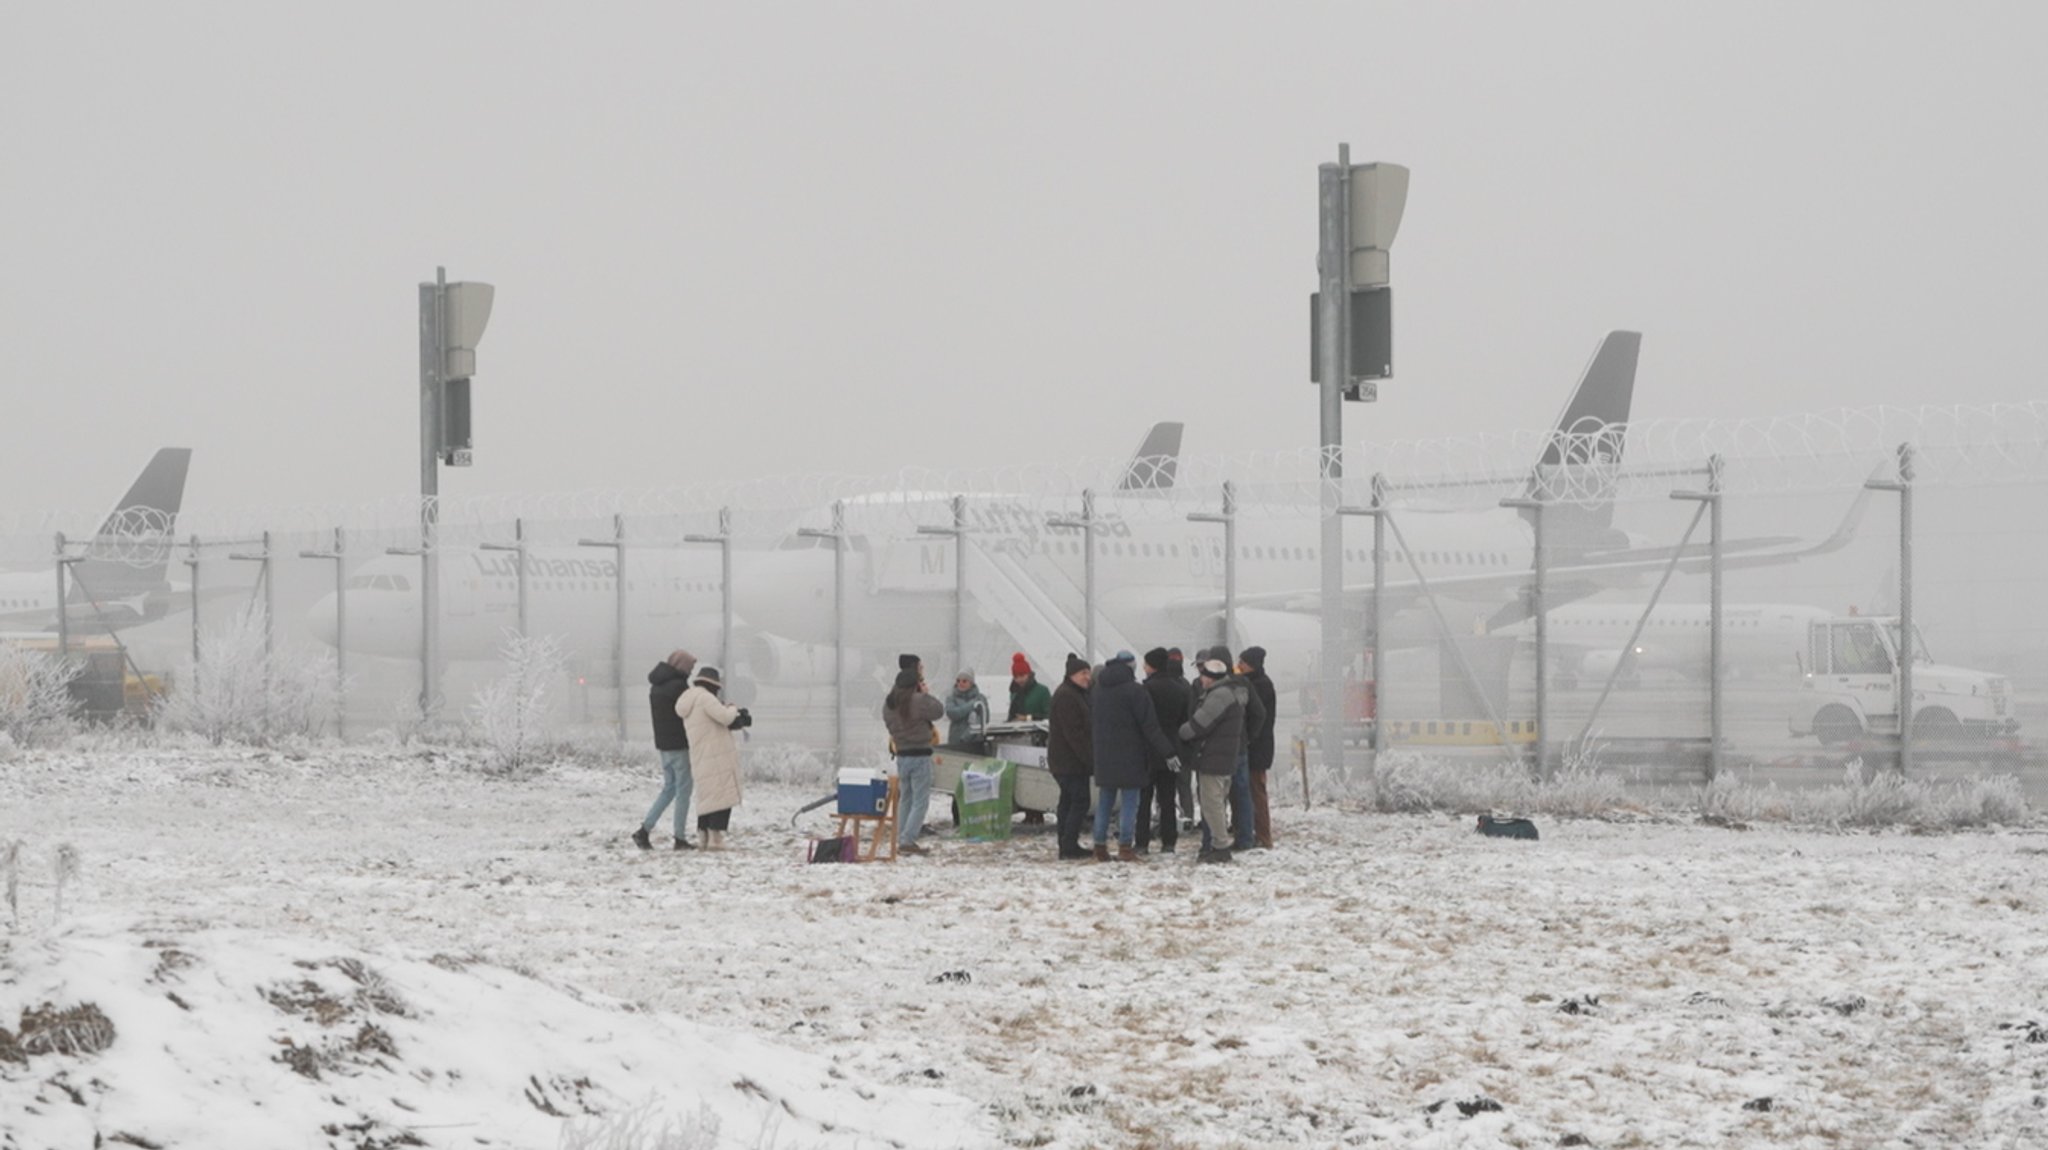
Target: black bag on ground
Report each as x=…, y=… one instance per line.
x=1506, y=828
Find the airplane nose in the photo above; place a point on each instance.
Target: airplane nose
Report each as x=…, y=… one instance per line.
x=320, y=620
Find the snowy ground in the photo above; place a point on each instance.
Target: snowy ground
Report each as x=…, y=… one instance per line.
x=1649, y=982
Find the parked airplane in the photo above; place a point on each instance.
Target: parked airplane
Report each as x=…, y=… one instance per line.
x=120, y=581
x=673, y=597
x=1158, y=576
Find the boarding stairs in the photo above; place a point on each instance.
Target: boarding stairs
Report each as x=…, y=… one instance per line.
x=1014, y=598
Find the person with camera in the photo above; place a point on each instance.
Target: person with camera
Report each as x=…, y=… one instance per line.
x=714, y=753
x=912, y=716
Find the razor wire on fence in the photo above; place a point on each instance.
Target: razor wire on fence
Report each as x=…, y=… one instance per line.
x=1960, y=445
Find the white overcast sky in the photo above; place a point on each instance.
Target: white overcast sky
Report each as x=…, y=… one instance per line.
x=737, y=240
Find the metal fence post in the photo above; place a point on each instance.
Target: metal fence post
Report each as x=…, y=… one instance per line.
x=338, y=554
x=618, y=545
x=1086, y=522
x=63, y=608
x=1228, y=519
x=724, y=541
x=959, y=533
x=1538, y=609
x=1903, y=485
x=837, y=535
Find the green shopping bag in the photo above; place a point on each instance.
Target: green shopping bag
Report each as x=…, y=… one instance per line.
x=987, y=799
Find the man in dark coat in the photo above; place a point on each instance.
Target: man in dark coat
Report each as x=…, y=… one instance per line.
x=1184, y=783
x=665, y=684
x=1126, y=734
x=1169, y=694
x=1070, y=754
x=1260, y=753
x=1215, y=733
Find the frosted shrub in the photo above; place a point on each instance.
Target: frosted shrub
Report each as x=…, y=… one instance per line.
x=1870, y=800
x=785, y=763
x=36, y=703
x=511, y=714
x=1409, y=783
x=236, y=693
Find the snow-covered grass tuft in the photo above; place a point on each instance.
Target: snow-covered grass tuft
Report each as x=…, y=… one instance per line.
x=1870, y=800
x=511, y=714
x=246, y=690
x=36, y=704
x=786, y=763
x=1408, y=783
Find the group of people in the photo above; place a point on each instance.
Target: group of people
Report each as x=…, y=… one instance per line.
x=1139, y=741
x=693, y=731
x=1154, y=748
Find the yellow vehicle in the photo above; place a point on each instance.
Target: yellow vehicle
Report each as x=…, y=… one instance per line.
x=107, y=685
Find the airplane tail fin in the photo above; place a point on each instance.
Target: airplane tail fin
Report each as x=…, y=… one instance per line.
x=1156, y=461
x=1592, y=431
x=132, y=548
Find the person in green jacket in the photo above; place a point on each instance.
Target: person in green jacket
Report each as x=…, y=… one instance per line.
x=1028, y=697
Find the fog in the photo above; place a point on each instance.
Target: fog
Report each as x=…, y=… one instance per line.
x=746, y=241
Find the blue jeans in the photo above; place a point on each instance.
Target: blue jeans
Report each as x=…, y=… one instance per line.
x=914, y=794
x=675, y=784
x=1125, y=800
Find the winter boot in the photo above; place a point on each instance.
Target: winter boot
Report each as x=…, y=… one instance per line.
x=714, y=840
x=685, y=845
x=1101, y=852
x=641, y=840
x=1126, y=854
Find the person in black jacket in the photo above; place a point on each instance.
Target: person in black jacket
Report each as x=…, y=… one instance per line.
x=1184, y=783
x=1126, y=734
x=1070, y=754
x=665, y=684
x=1170, y=702
x=1253, y=661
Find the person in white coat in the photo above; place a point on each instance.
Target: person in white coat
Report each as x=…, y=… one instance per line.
x=714, y=753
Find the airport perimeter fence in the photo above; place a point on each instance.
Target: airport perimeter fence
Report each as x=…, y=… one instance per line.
x=804, y=590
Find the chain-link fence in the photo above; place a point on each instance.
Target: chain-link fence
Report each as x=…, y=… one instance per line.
x=1820, y=532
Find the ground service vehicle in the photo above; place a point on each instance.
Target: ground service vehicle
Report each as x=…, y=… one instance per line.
x=1850, y=687
x=105, y=684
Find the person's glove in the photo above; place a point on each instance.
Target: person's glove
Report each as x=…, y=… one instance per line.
x=1173, y=763
x=742, y=721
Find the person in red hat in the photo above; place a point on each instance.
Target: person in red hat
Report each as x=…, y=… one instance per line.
x=1028, y=697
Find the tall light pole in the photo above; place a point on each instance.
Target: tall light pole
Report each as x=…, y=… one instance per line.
x=1351, y=329
x=452, y=321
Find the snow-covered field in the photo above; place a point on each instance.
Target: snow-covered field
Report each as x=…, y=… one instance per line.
x=372, y=948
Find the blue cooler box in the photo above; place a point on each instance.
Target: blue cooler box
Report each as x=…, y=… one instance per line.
x=862, y=795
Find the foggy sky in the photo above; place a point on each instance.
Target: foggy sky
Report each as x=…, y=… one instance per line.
x=733, y=241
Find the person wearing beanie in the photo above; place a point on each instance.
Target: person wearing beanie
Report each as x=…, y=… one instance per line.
x=1029, y=700
x=1070, y=755
x=910, y=663
x=665, y=684
x=1183, y=783
x=1214, y=734
x=1252, y=662
x=1125, y=732
x=715, y=754
x=966, y=709
x=1163, y=786
x=912, y=716
x=1257, y=721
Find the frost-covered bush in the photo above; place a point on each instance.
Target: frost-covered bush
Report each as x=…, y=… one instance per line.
x=237, y=693
x=511, y=715
x=785, y=763
x=1864, y=799
x=36, y=704
x=1409, y=783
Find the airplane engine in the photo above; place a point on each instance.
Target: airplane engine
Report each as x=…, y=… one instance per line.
x=1593, y=669
x=782, y=662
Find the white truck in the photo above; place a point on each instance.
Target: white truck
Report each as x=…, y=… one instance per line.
x=1850, y=687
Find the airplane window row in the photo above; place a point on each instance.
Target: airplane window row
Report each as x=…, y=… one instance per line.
x=1258, y=553
x=19, y=602
x=597, y=585
x=1630, y=621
